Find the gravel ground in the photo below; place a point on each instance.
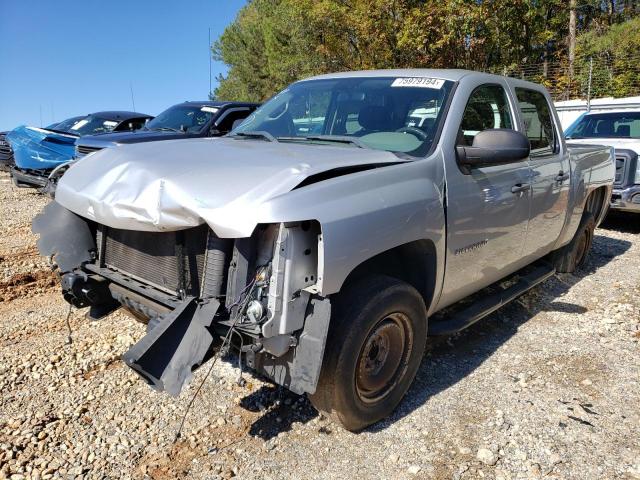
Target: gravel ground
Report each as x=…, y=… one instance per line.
x=546, y=388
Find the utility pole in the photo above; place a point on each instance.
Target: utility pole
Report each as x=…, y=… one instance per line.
x=133, y=103
x=209, y=52
x=572, y=37
x=589, y=85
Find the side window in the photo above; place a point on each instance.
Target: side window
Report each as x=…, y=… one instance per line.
x=487, y=108
x=138, y=123
x=227, y=123
x=131, y=125
x=538, y=122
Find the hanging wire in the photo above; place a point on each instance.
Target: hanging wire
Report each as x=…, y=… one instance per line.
x=69, y=338
x=223, y=348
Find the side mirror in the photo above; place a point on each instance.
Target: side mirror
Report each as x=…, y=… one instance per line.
x=493, y=147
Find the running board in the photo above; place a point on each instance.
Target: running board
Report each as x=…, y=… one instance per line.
x=491, y=302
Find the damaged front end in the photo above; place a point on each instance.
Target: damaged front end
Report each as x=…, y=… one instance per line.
x=193, y=289
x=36, y=152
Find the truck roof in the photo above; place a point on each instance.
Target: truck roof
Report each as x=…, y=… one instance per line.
x=612, y=110
x=219, y=103
x=451, y=74
x=119, y=114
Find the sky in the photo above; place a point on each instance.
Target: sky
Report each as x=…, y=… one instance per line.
x=69, y=57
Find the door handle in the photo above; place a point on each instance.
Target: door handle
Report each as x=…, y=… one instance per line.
x=520, y=187
x=561, y=177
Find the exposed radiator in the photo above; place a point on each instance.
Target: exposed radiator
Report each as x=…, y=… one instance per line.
x=193, y=260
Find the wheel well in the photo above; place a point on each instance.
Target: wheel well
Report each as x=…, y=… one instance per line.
x=596, y=202
x=414, y=263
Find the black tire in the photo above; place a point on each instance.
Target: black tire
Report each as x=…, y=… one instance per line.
x=375, y=345
x=573, y=255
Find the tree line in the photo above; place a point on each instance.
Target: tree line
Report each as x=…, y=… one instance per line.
x=274, y=42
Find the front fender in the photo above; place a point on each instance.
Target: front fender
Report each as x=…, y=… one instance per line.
x=366, y=213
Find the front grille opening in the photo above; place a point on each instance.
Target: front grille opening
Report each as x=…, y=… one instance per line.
x=83, y=150
x=170, y=261
x=620, y=170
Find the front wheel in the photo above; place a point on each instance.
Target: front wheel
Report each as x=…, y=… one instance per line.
x=376, y=342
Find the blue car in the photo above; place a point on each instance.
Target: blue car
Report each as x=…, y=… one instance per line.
x=37, y=151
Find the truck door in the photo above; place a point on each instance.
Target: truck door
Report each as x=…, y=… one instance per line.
x=550, y=173
x=487, y=207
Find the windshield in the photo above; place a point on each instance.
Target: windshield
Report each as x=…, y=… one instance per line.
x=91, y=125
x=65, y=125
x=606, y=125
x=183, y=118
x=385, y=113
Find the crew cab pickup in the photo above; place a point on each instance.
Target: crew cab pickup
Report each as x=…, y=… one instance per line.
x=325, y=236
x=619, y=129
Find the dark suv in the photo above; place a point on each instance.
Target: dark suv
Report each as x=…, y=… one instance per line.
x=185, y=120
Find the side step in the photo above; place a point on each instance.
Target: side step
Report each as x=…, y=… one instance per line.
x=491, y=302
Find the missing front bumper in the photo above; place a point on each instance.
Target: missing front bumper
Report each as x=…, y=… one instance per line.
x=168, y=354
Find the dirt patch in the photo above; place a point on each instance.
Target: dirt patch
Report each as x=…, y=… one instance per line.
x=163, y=466
x=25, y=284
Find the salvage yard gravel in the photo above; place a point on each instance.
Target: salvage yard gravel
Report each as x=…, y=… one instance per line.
x=548, y=387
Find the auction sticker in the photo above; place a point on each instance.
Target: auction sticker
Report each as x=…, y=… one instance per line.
x=420, y=82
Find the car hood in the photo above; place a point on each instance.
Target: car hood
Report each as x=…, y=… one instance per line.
x=123, y=138
x=40, y=149
x=226, y=182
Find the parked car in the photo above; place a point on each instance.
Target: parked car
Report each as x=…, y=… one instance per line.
x=621, y=130
x=185, y=120
x=6, y=154
x=326, y=229
x=37, y=151
x=65, y=126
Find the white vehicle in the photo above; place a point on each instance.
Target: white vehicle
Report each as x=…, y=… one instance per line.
x=619, y=129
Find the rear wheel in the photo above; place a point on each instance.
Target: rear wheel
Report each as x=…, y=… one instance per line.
x=375, y=346
x=572, y=256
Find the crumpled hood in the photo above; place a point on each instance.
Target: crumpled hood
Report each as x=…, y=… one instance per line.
x=40, y=149
x=179, y=184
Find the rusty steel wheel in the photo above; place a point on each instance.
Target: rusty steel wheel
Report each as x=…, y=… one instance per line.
x=383, y=359
x=376, y=340
x=573, y=255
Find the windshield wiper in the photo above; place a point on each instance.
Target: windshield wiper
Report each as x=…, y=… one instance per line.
x=256, y=134
x=166, y=129
x=64, y=132
x=327, y=138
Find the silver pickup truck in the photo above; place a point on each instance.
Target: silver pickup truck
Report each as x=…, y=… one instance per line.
x=321, y=235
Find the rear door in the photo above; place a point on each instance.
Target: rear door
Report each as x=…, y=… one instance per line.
x=550, y=173
x=487, y=208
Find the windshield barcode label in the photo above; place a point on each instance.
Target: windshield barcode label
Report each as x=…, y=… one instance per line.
x=420, y=82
